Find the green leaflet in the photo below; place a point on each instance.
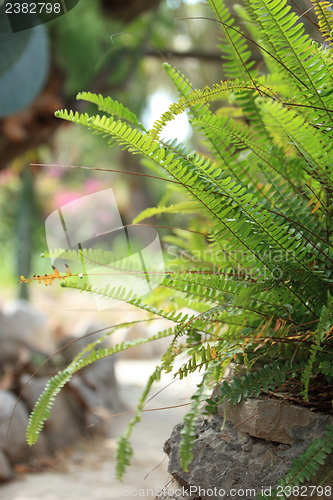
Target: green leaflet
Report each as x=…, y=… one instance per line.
x=110, y=106
x=185, y=207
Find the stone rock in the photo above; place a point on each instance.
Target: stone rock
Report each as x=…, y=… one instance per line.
x=230, y=463
x=9, y=351
x=173, y=491
x=21, y=323
x=6, y=472
x=101, y=377
x=83, y=333
x=12, y=447
x=275, y=420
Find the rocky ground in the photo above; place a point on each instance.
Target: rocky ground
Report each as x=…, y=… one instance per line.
x=87, y=470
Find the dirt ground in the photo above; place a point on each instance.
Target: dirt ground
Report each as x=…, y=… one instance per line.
x=87, y=470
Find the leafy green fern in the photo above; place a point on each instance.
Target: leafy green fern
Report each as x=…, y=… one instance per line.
x=257, y=280
x=269, y=377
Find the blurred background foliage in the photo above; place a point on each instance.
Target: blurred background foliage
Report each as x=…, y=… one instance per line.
x=102, y=47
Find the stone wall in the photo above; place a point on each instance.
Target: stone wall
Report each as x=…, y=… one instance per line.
x=246, y=454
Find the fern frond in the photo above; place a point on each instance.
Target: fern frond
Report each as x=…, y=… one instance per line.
x=185, y=88
x=48, y=279
x=197, y=97
x=90, y=256
x=326, y=368
x=111, y=107
x=234, y=47
x=197, y=362
x=188, y=434
x=253, y=28
x=244, y=387
x=178, y=165
x=43, y=406
x=324, y=325
x=91, y=346
x=294, y=49
x=189, y=207
x=183, y=170
x=304, y=137
x=121, y=293
x=198, y=111
x=305, y=467
x=123, y=455
x=124, y=449
x=325, y=18
x=42, y=409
